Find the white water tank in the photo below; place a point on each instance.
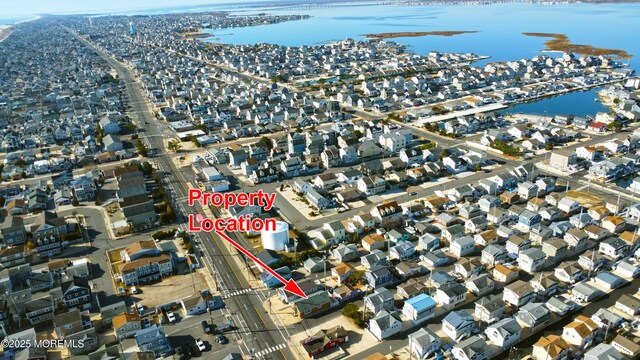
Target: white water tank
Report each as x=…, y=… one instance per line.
x=277, y=239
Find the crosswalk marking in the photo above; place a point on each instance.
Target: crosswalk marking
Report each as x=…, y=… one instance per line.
x=271, y=349
x=238, y=292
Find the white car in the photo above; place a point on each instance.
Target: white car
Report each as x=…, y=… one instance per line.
x=134, y=290
x=171, y=317
x=200, y=344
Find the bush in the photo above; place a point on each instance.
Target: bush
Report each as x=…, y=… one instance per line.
x=506, y=149
x=163, y=234
x=142, y=148
x=351, y=311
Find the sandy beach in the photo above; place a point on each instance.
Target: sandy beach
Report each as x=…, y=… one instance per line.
x=5, y=30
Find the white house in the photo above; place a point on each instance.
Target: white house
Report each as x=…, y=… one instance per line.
x=458, y=324
x=504, y=333
x=462, y=246
x=384, y=325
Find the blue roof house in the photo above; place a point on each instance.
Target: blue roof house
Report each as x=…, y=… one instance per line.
x=419, y=308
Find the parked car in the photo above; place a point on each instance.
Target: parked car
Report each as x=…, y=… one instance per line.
x=200, y=344
x=221, y=339
x=193, y=350
x=180, y=353
x=135, y=290
x=171, y=317
x=206, y=328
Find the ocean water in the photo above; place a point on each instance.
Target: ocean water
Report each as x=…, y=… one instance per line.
x=579, y=103
x=499, y=34
x=499, y=26
x=13, y=20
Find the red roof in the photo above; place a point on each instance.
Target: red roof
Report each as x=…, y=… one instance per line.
x=597, y=125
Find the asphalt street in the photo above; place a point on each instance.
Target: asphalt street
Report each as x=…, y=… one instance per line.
x=248, y=308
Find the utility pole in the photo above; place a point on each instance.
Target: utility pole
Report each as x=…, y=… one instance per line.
x=193, y=282
x=324, y=275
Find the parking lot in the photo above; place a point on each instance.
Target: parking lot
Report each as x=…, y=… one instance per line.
x=170, y=289
x=187, y=329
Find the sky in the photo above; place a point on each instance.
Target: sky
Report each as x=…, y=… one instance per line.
x=33, y=7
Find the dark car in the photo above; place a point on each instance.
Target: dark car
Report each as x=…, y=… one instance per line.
x=181, y=354
x=206, y=328
x=193, y=350
x=221, y=339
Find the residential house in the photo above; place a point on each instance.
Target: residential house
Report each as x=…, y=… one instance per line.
x=480, y=285
x=582, y=292
x=473, y=348
x=504, y=333
x=627, y=345
x=568, y=272
x=419, y=308
x=345, y=253
x=424, y=342
x=126, y=324
x=315, y=303
x=76, y=293
x=378, y=276
x=518, y=293
x=373, y=242
x=628, y=304
x=613, y=247
x=411, y=288
x=493, y=254
x=504, y=274
x=551, y=347
x=153, y=339
x=403, y=251
x=324, y=340
x=458, y=324
x=341, y=272
x=490, y=309
x=201, y=302
x=580, y=332
x=450, y=294
x=384, y=325
x=376, y=257
x=533, y=316
x=380, y=299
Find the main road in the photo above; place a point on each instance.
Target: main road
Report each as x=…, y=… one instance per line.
x=259, y=334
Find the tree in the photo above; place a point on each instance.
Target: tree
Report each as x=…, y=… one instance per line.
x=478, y=167
x=265, y=142
x=548, y=146
x=352, y=311
x=2, y=201
x=146, y=168
x=356, y=277
x=75, y=202
x=614, y=126
x=98, y=200
x=442, y=155
x=174, y=145
x=355, y=238
x=194, y=140
x=142, y=148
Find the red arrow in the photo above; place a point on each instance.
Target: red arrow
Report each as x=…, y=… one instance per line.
x=289, y=285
